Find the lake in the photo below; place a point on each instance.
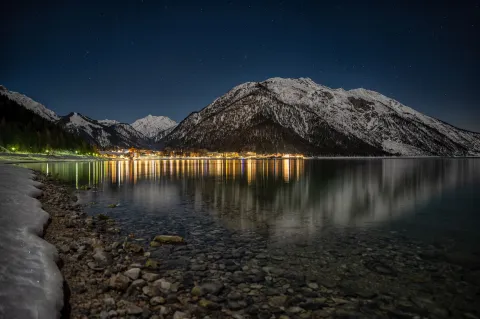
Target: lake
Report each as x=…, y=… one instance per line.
x=357, y=226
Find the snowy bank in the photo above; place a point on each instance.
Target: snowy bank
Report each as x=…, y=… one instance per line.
x=30, y=281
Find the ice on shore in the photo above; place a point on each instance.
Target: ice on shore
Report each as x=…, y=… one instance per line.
x=30, y=281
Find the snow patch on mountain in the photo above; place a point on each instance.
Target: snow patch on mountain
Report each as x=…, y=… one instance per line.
x=77, y=121
x=151, y=126
x=30, y=104
x=108, y=122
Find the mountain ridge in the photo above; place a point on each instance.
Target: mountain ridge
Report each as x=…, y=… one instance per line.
x=281, y=115
x=364, y=114
x=101, y=133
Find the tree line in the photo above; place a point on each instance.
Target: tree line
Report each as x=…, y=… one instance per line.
x=23, y=130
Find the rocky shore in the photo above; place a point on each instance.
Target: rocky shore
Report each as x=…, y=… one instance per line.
x=109, y=275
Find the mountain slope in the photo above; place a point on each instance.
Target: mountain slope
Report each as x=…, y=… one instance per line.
x=298, y=115
x=103, y=136
x=152, y=126
x=25, y=130
x=30, y=104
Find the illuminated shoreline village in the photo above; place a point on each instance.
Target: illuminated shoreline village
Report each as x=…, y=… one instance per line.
x=134, y=153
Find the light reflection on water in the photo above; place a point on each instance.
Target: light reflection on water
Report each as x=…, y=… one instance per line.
x=293, y=198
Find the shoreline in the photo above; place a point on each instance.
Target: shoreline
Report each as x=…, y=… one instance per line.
x=93, y=259
x=25, y=158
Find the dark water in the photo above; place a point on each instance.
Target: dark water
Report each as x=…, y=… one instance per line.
x=285, y=200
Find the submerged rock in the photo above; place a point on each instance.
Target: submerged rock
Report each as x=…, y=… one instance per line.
x=169, y=239
x=277, y=301
x=212, y=287
x=204, y=303
x=196, y=291
x=152, y=264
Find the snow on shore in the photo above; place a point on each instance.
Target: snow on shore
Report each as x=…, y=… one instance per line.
x=30, y=281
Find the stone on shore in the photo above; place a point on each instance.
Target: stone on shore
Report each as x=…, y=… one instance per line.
x=133, y=273
x=148, y=276
x=119, y=282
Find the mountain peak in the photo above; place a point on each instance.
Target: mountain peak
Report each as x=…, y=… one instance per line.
x=151, y=125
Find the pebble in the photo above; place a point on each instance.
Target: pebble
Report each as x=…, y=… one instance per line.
x=180, y=315
x=157, y=301
x=119, y=282
x=150, y=276
x=133, y=273
x=134, y=310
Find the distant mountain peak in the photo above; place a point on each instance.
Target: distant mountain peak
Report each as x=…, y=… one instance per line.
x=151, y=126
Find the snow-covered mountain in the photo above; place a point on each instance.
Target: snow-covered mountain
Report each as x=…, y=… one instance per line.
x=153, y=126
x=104, y=136
x=298, y=115
x=103, y=133
x=30, y=104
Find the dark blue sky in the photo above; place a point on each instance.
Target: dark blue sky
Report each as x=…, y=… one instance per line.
x=126, y=59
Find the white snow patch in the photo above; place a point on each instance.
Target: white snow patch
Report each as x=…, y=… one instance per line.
x=31, y=285
x=108, y=122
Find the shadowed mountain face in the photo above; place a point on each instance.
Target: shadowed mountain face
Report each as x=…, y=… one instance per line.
x=298, y=115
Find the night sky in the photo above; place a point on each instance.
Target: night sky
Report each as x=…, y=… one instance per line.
x=126, y=59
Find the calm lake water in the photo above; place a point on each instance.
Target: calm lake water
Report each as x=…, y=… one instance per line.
x=283, y=201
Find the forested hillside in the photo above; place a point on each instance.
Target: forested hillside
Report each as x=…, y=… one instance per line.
x=22, y=129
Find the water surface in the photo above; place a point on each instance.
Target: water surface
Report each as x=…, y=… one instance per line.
x=284, y=200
